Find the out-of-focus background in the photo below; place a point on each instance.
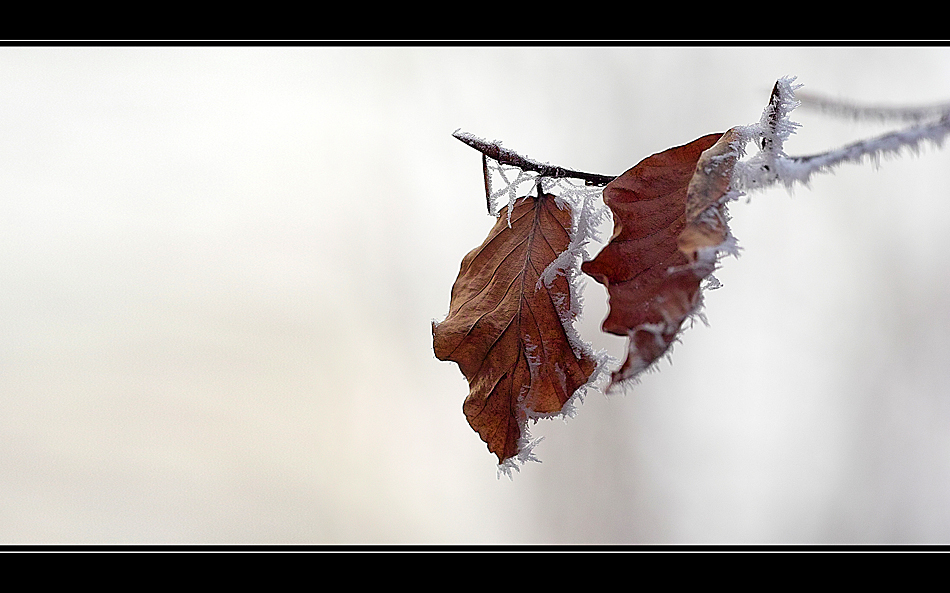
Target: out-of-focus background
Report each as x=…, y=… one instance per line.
x=218, y=269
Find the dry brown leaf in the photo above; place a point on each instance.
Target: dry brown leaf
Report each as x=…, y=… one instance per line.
x=669, y=219
x=706, y=221
x=505, y=329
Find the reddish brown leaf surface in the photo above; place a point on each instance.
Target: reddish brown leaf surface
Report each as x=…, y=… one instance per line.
x=505, y=329
x=668, y=221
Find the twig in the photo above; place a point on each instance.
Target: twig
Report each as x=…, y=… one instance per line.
x=800, y=168
x=510, y=157
x=487, y=177
x=771, y=164
x=880, y=112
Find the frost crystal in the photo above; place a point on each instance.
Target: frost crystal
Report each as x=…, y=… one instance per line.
x=511, y=190
x=525, y=454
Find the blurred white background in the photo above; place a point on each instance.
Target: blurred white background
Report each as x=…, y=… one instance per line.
x=218, y=269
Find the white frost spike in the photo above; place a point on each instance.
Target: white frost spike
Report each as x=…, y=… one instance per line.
x=525, y=454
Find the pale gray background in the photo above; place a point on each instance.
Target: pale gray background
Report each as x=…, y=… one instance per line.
x=218, y=267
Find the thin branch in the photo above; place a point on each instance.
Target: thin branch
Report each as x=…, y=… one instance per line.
x=770, y=117
x=800, y=168
x=883, y=113
x=512, y=158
